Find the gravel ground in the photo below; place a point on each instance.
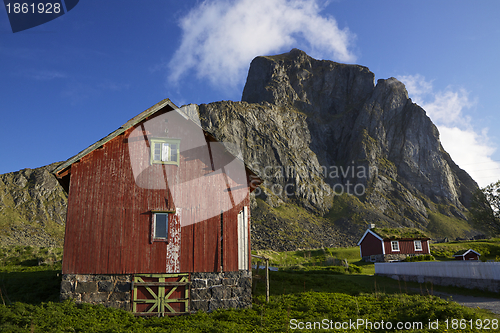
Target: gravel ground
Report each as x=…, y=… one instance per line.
x=492, y=304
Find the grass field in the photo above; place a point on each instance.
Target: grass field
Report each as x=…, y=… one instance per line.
x=489, y=249
x=313, y=293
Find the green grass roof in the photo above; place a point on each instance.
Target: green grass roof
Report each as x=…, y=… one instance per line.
x=462, y=252
x=459, y=253
x=399, y=233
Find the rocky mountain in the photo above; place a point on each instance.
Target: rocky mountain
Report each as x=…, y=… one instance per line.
x=32, y=208
x=325, y=137
x=336, y=152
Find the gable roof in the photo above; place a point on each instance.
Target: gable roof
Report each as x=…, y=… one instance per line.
x=463, y=253
x=386, y=234
x=60, y=171
x=370, y=231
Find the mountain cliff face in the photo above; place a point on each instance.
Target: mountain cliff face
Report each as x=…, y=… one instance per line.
x=351, y=119
x=322, y=135
x=336, y=152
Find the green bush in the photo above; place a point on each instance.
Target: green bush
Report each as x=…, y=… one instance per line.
x=352, y=269
x=425, y=257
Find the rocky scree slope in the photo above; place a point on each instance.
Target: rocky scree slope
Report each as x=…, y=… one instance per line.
x=32, y=208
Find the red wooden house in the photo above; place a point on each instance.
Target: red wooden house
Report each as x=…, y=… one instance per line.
x=158, y=218
x=469, y=254
x=392, y=244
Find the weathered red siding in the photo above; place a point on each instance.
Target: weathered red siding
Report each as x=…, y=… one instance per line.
x=468, y=256
x=108, y=228
x=371, y=245
x=406, y=247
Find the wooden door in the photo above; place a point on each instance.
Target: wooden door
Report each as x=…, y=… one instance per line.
x=160, y=294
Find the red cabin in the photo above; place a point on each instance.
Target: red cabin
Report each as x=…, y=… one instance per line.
x=158, y=218
x=469, y=254
x=392, y=244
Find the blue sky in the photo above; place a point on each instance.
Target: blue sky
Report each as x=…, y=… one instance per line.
x=67, y=83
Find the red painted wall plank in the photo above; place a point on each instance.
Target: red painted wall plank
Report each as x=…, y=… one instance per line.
x=406, y=247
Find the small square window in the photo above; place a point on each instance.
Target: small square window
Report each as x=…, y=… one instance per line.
x=160, y=226
x=165, y=151
x=418, y=245
x=395, y=245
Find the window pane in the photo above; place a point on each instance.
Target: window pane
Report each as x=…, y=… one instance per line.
x=173, y=152
x=161, y=225
x=165, y=153
x=157, y=152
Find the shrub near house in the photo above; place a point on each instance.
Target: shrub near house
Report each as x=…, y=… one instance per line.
x=386, y=244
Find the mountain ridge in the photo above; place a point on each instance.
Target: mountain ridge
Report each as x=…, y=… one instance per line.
x=316, y=129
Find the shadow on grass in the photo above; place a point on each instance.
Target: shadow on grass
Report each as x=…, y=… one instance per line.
x=30, y=286
x=322, y=280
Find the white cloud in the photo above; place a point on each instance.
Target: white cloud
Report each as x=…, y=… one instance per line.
x=221, y=37
x=472, y=152
x=417, y=87
x=470, y=149
x=447, y=107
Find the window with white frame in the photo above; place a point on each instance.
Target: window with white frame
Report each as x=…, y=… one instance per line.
x=418, y=245
x=160, y=226
x=395, y=245
x=165, y=151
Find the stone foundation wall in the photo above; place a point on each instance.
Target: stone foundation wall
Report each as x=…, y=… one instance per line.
x=385, y=257
x=109, y=290
x=210, y=291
